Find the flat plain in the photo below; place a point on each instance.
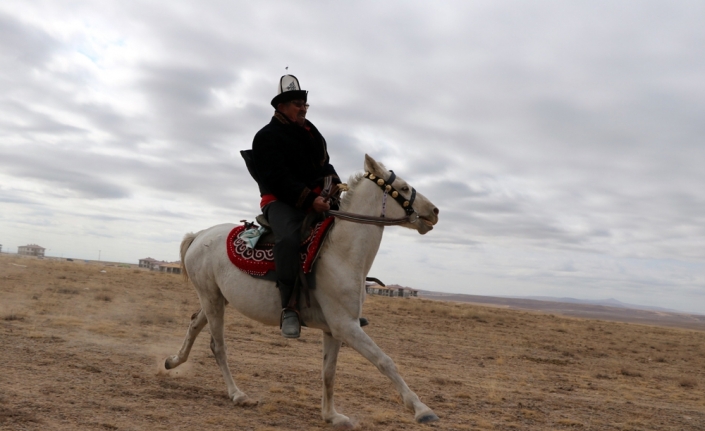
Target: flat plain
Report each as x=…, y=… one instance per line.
x=82, y=347
x=651, y=317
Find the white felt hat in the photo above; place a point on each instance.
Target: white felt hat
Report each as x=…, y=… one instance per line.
x=288, y=90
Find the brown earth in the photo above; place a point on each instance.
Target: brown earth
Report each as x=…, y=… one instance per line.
x=83, y=349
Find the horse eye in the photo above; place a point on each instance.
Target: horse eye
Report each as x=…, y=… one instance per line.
x=405, y=189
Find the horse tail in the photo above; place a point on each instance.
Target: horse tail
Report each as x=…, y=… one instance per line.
x=185, y=244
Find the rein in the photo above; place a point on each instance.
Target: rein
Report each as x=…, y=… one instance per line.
x=387, y=188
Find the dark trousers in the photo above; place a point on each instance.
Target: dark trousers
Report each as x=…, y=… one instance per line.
x=285, y=221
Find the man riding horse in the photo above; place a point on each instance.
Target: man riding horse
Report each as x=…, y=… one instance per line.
x=291, y=163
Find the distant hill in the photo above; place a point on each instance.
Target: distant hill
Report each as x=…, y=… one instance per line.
x=608, y=309
x=611, y=302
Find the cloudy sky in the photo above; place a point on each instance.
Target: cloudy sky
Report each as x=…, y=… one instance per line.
x=560, y=140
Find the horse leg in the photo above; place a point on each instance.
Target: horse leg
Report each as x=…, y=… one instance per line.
x=351, y=333
x=198, y=321
x=331, y=347
x=215, y=311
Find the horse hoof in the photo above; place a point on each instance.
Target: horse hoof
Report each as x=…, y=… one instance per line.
x=427, y=418
x=168, y=363
x=244, y=401
x=344, y=425
x=340, y=422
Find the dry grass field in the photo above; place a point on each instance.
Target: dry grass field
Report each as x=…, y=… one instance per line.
x=82, y=349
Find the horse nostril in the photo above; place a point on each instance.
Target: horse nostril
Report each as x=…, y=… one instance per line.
x=435, y=211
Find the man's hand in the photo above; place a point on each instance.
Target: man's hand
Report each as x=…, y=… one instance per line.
x=320, y=204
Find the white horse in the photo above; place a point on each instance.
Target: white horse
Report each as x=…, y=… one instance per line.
x=336, y=302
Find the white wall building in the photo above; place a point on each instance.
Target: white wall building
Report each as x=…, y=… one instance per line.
x=159, y=265
x=31, y=250
x=392, y=290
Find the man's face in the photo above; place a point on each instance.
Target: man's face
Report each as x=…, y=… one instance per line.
x=294, y=111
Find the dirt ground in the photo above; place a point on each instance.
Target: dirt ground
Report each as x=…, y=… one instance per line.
x=83, y=349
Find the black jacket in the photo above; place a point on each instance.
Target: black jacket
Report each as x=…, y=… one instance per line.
x=290, y=161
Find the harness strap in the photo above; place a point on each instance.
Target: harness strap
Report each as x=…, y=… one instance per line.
x=304, y=287
x=365, y=219
x=384, y=204
x=387, y=188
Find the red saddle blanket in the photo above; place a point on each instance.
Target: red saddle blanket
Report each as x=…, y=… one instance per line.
x=259, y=261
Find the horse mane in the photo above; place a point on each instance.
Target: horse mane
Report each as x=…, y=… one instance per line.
x=353, y=181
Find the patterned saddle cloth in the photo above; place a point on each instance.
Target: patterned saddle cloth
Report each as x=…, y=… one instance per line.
x=259, y=261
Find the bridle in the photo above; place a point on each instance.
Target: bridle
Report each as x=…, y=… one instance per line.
x=388, y=189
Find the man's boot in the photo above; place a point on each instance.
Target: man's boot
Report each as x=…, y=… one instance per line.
x=290, y=324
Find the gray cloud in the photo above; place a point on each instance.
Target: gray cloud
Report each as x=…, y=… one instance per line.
x=561, y=142
x=49, y=171
x=24, y=44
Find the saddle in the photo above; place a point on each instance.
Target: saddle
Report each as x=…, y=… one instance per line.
x=259, y=260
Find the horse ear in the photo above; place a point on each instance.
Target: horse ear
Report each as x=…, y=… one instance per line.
x=373, y=167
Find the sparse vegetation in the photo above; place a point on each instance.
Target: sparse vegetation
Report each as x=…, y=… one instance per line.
x=687, y=382
x=629, y=373
x=93, y=344
x=65, y=291
x=443, y=381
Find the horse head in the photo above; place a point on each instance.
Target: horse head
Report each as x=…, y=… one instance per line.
x=423, y=215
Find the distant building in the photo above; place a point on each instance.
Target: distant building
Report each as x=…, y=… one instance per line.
x=391, y=290
x=160, y=265
x=0, y=248
x=170, y=268
x=31, y=250
x=149, y=263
